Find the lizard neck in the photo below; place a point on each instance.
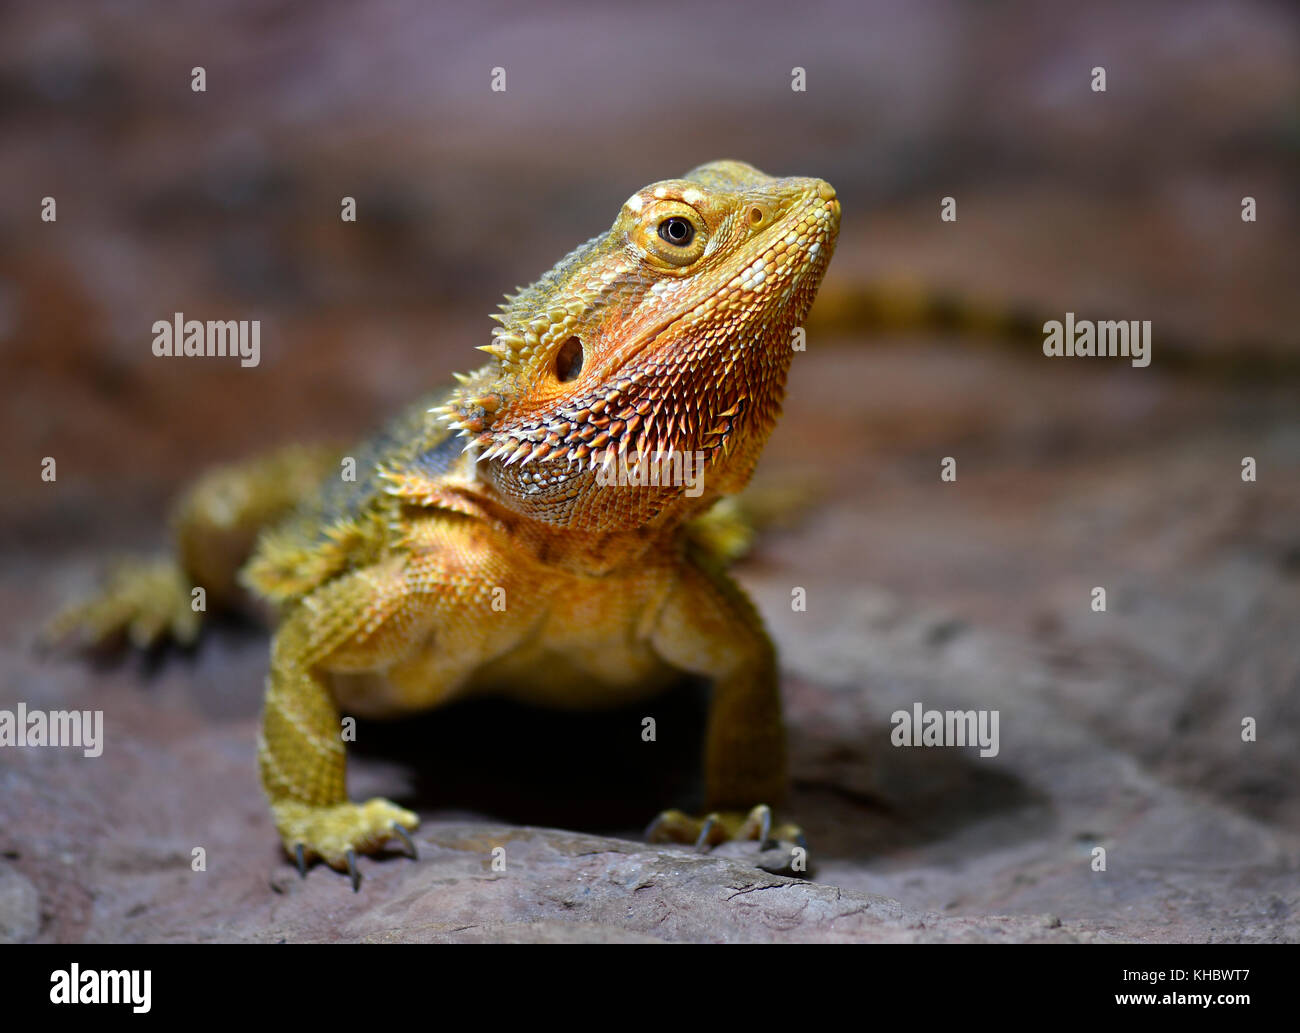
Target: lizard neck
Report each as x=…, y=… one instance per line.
x=586, y=553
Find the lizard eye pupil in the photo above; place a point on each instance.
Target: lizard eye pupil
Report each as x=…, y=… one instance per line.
x=677, y=231
x=568, y=361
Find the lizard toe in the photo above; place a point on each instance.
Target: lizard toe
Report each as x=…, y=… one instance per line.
x=337, y=833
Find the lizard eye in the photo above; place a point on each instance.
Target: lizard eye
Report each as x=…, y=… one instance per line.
x=568, y=361
x=677, y=231
x=671, y=236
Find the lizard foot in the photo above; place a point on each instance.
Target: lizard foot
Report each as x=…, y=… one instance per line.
x=722, y=827
x=336, y=834
x=142, y=600
x=750, y=838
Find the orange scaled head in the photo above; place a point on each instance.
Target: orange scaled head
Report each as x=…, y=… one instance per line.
x=666, y=339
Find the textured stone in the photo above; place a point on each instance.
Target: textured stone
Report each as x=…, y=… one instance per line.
x=20, y=906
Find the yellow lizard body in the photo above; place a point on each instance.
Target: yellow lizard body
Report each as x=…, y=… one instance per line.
x=485, y=545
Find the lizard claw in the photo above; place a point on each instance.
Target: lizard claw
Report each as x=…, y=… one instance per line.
x=352, y=870
x=721, y=827
x=702, y=840
x=301, y=859
x=777, y=845
x=405, y=836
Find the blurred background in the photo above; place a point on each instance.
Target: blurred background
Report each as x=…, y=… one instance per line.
x=1072, y=473
x=225, y=204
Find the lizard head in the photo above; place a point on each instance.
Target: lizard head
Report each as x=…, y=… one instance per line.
x=665, y=340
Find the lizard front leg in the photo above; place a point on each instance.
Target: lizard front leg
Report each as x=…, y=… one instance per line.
x=709, y=627
x=348, y=624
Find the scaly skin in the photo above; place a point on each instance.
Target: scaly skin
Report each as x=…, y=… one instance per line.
x=481, y=550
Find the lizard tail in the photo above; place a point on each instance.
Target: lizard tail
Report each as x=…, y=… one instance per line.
x=904, y=307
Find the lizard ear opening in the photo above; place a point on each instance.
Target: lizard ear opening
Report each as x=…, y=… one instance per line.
x=568, y=361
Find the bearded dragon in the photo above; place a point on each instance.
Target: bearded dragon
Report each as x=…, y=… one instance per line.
x=529, y=532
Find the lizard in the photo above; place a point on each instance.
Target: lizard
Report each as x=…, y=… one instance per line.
x=489, y=545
